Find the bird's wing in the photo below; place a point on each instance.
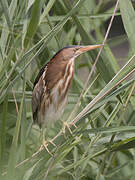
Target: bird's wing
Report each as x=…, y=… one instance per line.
x=38, y=90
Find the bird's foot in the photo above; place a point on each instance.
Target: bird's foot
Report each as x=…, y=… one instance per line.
x=68, y=126
x=45, y=146
x=51, y=142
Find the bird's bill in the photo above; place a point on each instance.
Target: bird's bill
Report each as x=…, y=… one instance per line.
x=88, y=48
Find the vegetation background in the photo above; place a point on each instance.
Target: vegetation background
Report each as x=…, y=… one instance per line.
x=102, y=147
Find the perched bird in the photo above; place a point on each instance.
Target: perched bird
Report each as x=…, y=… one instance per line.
x=52, y=84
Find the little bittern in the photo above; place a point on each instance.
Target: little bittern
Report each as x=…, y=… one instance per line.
x=51, y=86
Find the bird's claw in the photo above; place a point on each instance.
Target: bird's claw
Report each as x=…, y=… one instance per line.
x=51, y=142
x=68, y=125
x=45, y=146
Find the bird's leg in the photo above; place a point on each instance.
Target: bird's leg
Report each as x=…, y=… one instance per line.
x=45, y=143
x=68, y=126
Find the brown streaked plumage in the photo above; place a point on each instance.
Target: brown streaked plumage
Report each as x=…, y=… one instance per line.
x=51, y=86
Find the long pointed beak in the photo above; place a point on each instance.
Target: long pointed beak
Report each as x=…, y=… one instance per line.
x=90, y=47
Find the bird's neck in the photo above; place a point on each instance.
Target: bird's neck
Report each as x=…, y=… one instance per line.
x=59, y=72
x=59, y=91
x=68, y=76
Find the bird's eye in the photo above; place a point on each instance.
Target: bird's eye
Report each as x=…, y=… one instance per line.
x=76, y=49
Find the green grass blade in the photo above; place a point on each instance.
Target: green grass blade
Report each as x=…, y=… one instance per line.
x=4, y=5
x=129, y=67
x=128, y=18
x=3, y=130
x=33, y=24
x=13, y=157
x=46, y=10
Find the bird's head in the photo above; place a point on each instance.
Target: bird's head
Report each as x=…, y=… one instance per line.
x=71, y=52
